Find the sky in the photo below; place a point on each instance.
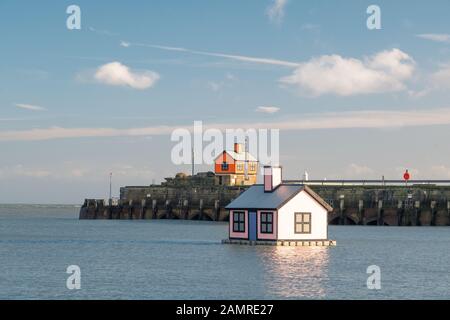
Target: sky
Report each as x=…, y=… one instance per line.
x=350, y=102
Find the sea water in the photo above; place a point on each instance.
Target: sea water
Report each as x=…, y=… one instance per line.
x=174, y=259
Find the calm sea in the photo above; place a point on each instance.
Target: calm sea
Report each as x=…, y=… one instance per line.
x=169, y=259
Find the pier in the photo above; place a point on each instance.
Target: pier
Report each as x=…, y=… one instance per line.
x=354, y=202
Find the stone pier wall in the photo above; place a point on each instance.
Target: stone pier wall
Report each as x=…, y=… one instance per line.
x=424, y=205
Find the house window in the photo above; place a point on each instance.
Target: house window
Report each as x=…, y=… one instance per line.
x=238, y=221
x=266, y=222
x=252, y=166
x=240, y=167
x=224, y=166
x=302, y=222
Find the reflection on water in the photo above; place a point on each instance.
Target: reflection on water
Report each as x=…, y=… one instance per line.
x=293, y=272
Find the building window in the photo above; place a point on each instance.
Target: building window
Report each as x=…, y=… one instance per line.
x=224, y=166
x=266, y=222
x=252, y=166
x=302, y=222
x=238, y=221
x=240, y=167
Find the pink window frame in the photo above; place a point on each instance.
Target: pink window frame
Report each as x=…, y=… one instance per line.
x=238, y=235
x=274, y=234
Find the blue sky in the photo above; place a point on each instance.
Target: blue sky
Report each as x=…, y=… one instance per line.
x=350, y=102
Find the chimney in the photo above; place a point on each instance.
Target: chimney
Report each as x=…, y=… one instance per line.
x=272, y=178
x=237, y=147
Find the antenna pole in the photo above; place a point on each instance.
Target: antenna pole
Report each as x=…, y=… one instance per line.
x=193, y=159
x=110, y=186
x=246, y=159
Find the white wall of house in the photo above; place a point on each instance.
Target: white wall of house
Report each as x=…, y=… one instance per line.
x=302, y=202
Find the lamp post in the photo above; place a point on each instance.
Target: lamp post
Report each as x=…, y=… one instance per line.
x=406, y=177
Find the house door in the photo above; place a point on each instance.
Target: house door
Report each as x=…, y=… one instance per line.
x=252, y=227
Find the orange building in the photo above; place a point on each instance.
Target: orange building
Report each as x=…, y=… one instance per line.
x=230, y=168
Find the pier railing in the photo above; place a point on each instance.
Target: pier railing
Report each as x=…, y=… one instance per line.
x=337, y=182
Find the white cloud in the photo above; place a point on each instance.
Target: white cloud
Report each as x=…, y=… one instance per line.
x=71, y=171
x=29, y=107
x=130, y=171
x=386, y=71
x=354, y=171
x=393, y=62
x=77, y=173
x=437, y=37
x=215, y=86
x=124, y=44
x=37, y=74
x=358, y=171
x=441, y=78
x=343, y=120
x=438, y=80
x=230, y=76
x=266, y=109
x=333, y=74
x=117, y=74
x=441, y=171
x=310, y=27
x=275, y=11
x=416, y=94
x=240, y=58
x=13, y=119
x=64, y=133
x=20, y=170
x=103, y=32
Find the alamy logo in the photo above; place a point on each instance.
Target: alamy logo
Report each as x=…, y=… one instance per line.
x=74, y=280
x=73, y=22
x=204, y=146
x=374, y=280
x=374, y=20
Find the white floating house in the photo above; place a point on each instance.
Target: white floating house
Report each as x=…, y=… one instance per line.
x=279, y=213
